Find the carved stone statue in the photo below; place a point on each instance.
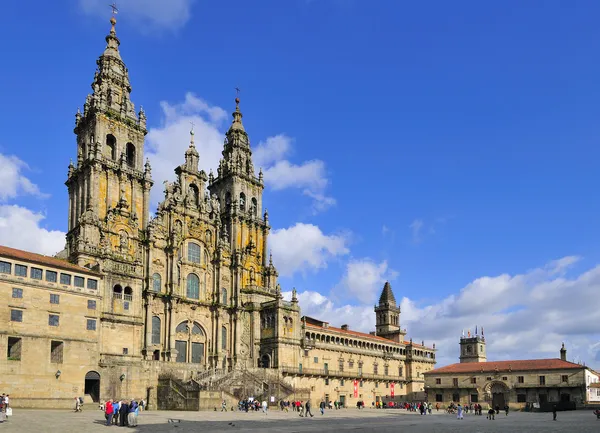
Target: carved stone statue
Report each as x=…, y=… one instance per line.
x=124, y=241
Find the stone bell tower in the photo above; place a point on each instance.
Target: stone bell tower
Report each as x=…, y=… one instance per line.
x=387, y=323
x=240, y=194
x=472, y=347
x=109, y=185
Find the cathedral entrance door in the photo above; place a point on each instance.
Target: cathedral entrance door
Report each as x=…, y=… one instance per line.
x=92, y=385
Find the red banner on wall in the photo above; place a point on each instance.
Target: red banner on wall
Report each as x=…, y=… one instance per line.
x=355, y=388
x=392, y=390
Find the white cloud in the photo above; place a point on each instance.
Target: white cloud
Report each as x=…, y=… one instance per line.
x=20, y=228
x=166, y=145
x=280, y=173
x=170, y=15
x=364, y=279
x=304, y=247
x=313, y=304
x=13, y=182
x=416, y=227
x=524, y=316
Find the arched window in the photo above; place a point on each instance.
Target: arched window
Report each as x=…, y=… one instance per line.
x=228, y=199
x=155, y=330
x=182, y=327
x=130, y=154
x=223, y=338
x=224, y=296
x=197, y=330
x=194, y=253
x=193, y=286
x=156, y=283
x=118, y=292
x=242, y=201
x=128, y=294
x=254, y=207
x=111, y=147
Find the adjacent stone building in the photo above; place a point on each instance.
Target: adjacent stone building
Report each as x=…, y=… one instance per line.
x=516, y=383
x=190, y=294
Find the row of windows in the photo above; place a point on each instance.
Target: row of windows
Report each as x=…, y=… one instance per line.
x=194, y=287
x=364, y=345
x=193, y=339
x=341, y=364
x=51, y=276
x=520, y=379
x=253, y=208
x=111, y=150
x=54, y=298
x=53, y=319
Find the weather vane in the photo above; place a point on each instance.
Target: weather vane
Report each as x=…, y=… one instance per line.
x=115, y=10
x=192, y=123
x=237, y=91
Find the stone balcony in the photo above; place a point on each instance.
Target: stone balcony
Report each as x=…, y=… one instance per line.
x=329, y=373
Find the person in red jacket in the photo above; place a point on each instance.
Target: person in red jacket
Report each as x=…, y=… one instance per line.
x=108, y=412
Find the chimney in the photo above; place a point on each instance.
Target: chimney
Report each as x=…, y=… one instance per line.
x=563, y=353
x=345, y=327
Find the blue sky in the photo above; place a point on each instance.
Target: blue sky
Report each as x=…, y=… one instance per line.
x=448, y=146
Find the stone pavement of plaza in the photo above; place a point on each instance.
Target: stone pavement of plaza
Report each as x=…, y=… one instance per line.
x=354, y=420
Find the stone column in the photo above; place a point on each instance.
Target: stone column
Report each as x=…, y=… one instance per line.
x=108, y=190
x=148, y=321
x=88, y=190
x=132, y=185
x=70, y=207
x=146, y=206
x=265, y=248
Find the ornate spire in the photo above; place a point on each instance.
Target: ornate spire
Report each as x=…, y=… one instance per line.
x=387, y=295
x=191, y=154
x=237, y=117
x=112, y=42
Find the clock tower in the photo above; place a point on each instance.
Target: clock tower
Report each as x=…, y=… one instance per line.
x=472, y=347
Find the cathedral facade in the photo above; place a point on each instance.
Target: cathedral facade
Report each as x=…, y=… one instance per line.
x=191, y=292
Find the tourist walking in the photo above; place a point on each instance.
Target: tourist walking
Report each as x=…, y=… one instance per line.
x=459, y=412
x=553, y=412
x=308, y=409
x=322, y=407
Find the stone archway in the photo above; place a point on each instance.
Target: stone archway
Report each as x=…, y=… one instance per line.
x=92, y=385
x=265, y=361
x=497, y=392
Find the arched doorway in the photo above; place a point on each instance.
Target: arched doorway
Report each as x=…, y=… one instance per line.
x=265, y=361
x=92, y=385
x=498, y=391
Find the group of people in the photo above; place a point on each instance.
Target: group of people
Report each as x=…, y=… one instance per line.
x=122, y=413
x=248, y=405
x=5, y=409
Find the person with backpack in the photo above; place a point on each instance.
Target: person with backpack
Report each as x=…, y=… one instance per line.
x=108, y=412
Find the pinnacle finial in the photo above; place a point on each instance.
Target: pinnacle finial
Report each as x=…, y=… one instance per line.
x=192, y=135
x=113, y=20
